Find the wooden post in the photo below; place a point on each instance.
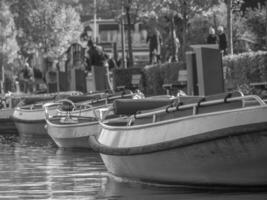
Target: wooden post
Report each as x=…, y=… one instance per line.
x=2, y=79
x=124, y=62
x=58, y=86
x=266, y=21
x=229, y=24
x=95, y=21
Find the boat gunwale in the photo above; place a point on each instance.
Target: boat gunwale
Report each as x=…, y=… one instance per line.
x=21, y=109
x=83, y=110
x=177, y=143
x=66, y=125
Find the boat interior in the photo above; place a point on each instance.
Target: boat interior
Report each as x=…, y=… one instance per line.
x=144, y=111
x=80, y=104
x=71, y=119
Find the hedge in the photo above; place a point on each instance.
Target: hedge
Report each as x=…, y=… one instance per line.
x=243, y=69
x=240, y=71
x=157, y=75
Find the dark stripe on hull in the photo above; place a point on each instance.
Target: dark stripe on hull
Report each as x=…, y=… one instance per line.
x=7, y=126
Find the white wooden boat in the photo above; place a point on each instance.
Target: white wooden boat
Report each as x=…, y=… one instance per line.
x=72, y=128
x=7, y=104
x=212, y=142
x=30, y=119
x=29, y=115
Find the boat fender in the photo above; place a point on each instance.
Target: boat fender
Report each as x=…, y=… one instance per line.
x=229, y=95
x=200, y=101
x=136, y=113
x=199, y=104
x=168, y=107
x=123, y=93
x=178, y=105
x=1, y=104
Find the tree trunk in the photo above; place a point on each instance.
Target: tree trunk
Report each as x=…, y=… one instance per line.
x=124, y=63
x=266, y=23
x=130, y=49
x=229, y=26
x=184, y=38
x=184, y=31
x=173, y=59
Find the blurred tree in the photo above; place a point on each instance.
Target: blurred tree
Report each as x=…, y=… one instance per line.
x=256, y=22
x=8, y=43
x=186, y=9
x=252, y=4
x=46, y=25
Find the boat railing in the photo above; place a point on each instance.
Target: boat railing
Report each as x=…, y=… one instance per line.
x=106, y=100
x=72, y=107
x=201, y=103
x=48, y=105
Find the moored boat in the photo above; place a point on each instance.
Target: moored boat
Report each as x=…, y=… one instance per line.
x=8, y=102
x=30, y=119
x=71, y=128
x=29, y=116
x=209, y=142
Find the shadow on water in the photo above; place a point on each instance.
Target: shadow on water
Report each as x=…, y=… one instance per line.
x=36, y=169
x=118, y=188
x=40, y=141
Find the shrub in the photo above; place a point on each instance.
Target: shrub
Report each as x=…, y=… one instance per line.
x=157, y=75
x=123, y=77
x=245, y=68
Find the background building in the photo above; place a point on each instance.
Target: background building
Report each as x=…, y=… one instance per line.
x=108, y=35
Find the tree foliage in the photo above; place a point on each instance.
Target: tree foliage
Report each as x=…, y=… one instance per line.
x=46, y=25
x=256, y=23
x=185, y=10
x=8, y=43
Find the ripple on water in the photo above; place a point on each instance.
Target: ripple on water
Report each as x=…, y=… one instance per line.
x=37, y=170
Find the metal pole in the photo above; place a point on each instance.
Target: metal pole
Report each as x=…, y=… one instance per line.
x=2, y=78
x=230, y=28
x=95, y=21
x=124, y=63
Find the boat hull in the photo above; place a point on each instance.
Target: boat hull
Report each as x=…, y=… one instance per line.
x=74, y=135
x=219, y=149
x=7, y=124
x=30, y=122
x=31, y=129
x=230, y=161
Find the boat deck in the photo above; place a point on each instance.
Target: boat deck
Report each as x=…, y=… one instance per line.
x=178, y=108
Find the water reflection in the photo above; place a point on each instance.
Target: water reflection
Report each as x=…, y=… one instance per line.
x=30, y=172
x=39, y=170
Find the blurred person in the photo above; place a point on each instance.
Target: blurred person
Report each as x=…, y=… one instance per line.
x=27, y=78
x=212, y=37
x=154, y=40
x=222, y=40
x=97, y=58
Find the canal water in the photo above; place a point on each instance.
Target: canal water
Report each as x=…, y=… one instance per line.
x=38, y=170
